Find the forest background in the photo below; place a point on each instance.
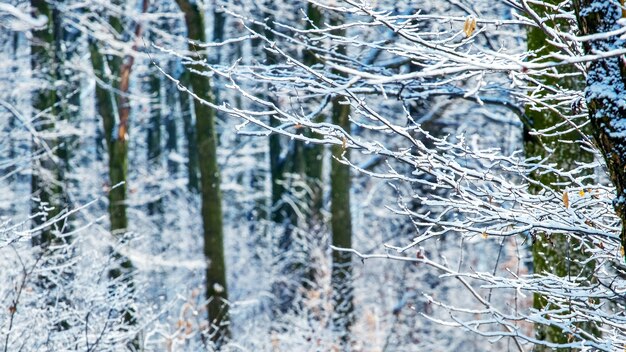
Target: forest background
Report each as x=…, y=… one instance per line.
x=323, y=175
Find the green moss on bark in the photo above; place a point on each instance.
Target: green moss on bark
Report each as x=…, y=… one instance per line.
x=206, y=134
x=556, y=254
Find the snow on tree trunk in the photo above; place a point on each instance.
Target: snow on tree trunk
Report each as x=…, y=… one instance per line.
x=606, y=92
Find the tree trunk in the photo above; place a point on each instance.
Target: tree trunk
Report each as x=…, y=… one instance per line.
x=53, y=103
x=193, y=183
x=155, y=207
x=46, y=182
x=341, y=221
x=309, y=164
x=171, y=127
x=117, y=143
x=313, y=154
x=281, y=212
x=216, y=291
x=556, y=254
x=605, y=92
x=105, y=108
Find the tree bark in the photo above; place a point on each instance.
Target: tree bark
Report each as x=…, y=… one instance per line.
x=171, y=127
x=107, y=103
x=116, y=149
x=606, y=91
x=313, y=154
x=45, y=62
x=216, y=291
x=556, y=254
x=155, y=207
x=281, y=212
x=193, y=183
x=308, y=163
x=341, y=220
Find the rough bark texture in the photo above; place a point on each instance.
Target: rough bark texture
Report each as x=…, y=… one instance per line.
x=341, y=220
x=606, y=93
x=216, y=291
x=556, y=254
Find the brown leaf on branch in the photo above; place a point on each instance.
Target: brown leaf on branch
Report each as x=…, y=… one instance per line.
x=469, y=26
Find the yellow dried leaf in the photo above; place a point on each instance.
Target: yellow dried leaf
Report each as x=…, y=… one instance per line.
x=484, y=234
x=469, y=26
x=621, y=251
x=581, y=192
x=566, y=199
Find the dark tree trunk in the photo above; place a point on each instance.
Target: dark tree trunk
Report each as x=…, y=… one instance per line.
x=188, y=115
x=309, y=164
x=341, y=219
x=116, y=136
x=313, y=154
x=46, y=182
x=155, y=207
x=606, y=91
x=281, y=212
x=53, y=103
x=171, y=127
x=216, y=290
